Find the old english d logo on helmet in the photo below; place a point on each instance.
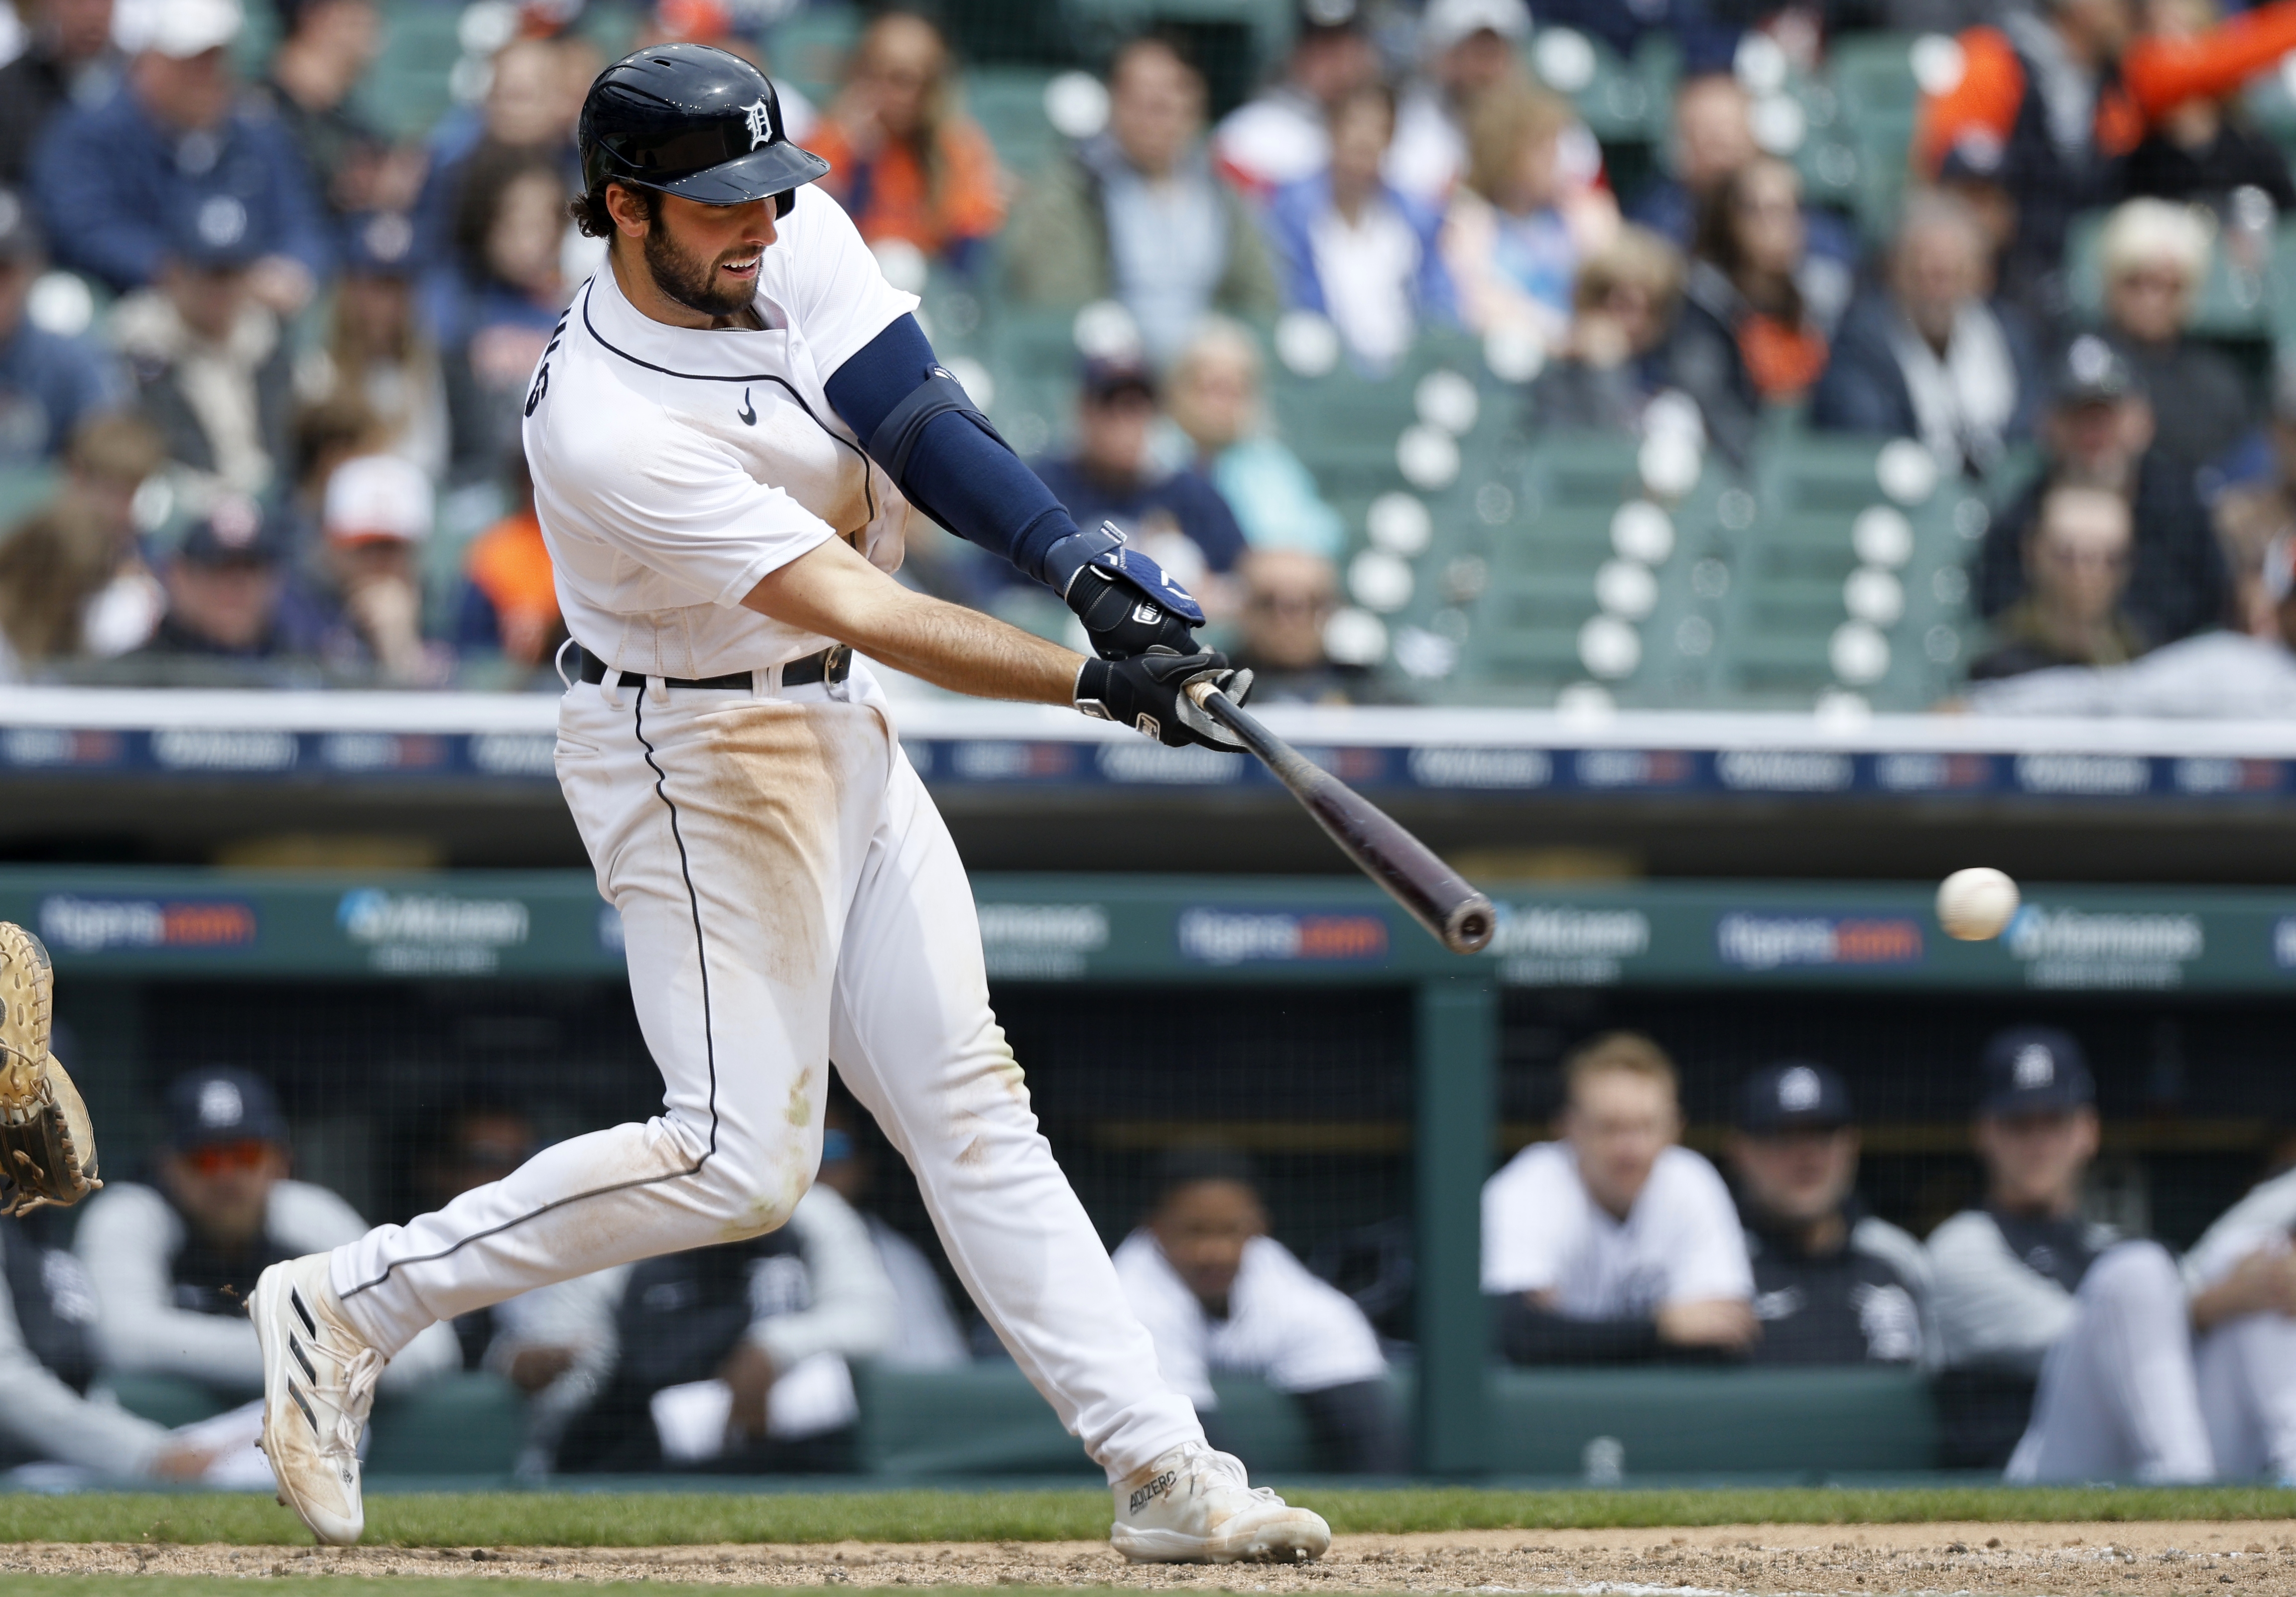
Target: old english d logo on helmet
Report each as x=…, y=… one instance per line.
x=694, y=121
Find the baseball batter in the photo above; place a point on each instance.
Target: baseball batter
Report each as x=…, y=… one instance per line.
x=726, y=435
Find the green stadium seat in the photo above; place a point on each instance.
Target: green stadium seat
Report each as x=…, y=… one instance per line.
x=808, y=47
x=1872, y=80
x=24, y=489
x=1009, y=104
x=168, y=1399
x=408, y=88
x=1798, y=574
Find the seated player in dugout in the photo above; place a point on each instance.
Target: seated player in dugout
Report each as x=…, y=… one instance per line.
x=174, y=1256
x=1220, y=1295
x=1613, y=1243
x=1833, y=1284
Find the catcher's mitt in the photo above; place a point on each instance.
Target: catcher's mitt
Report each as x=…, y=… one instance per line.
x=47, y=1146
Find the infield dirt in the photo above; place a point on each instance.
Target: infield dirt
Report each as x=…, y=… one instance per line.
x=2146, y=1559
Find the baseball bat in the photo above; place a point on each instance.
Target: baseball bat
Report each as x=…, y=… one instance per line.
x=1439, y=897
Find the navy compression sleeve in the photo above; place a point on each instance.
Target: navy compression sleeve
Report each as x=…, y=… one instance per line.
x=961, y=475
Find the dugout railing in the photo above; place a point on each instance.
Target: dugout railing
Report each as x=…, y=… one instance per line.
x=1400, y=1073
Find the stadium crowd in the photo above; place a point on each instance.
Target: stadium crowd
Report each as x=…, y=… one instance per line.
x=262, y=362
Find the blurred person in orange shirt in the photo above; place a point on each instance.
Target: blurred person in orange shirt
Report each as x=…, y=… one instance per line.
x=510, y=604
x=903, y=159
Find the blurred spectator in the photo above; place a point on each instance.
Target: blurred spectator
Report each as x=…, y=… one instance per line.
x=73, y=580
x=2077, y=562
x=1288, y=596
x=1216, y=401
x=2029, y=1293
x=2155, y=258
x=2202, y=148
x=476, y=1140
x=1623, y=308
x=1926, y=356
x=1614, y=1242
x=2231, y=676
x=376, y=520
x=326, y=49
x=47, y=1359
x=174, y=154
x=1749, y=336
x=68, y=59
x=2241, y=1274
x=1137, y=214
x=2037, y=115
x=1710, y=137
x=2251, y=516
x=172, y=1258
x=1218, y=1294
x=1513, y=252
x=1176, y=518
x=376, y=350
x=211, y=363
x=1466, y=49
x=903, y=161
x=509, y=601
x=1282, y=134
x=49, y=384
x=2097, y=432
x=732, y=1358
x=511, y=232
x=1352, y=249
x=532, y=103
x=925, y=1335
x=228, y=595
x=1833, y=1284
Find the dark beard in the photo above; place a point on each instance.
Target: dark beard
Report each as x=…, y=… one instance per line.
x=688, y=282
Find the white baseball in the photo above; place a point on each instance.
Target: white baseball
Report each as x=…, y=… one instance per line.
x=1976, y=903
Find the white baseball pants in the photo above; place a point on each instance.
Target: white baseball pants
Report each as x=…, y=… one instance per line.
x=2248, y=1396
x=2117, y=1398
x=789, y=896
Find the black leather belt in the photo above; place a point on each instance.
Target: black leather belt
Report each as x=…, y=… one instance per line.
x=832, y=665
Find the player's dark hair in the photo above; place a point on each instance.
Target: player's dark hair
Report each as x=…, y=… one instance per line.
x=593, y=220
x=1191, y=1163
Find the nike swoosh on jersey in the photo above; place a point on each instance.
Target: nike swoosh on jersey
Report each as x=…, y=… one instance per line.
x=748, y=412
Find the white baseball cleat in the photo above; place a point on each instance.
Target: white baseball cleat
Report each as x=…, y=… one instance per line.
x=318, y=1385
x=1195, y=1506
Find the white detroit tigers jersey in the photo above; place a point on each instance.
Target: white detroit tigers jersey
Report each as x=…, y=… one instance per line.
x=1680, y=1243
x=675, y=467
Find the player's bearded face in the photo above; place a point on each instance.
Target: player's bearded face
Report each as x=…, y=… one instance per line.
x=716, y=280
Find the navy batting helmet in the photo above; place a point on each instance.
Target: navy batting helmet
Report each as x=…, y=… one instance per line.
x=694, y=121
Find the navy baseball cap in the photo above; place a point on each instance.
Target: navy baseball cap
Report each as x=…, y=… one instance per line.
x=215, y=235
x=2032, y=1070
x=237, y=531
x=379, y=244
x=222, y=1104
x=1793, y=1095
x=1104, y=377
x=2092, y=371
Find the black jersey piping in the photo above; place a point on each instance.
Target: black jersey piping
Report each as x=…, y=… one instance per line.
x=868, y=490
x=708, y=1041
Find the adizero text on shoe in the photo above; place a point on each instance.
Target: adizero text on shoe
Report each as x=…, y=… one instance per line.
x=319, y=1386
x=1196, y=1506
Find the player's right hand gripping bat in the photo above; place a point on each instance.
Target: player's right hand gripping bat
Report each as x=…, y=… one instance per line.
x=1437, y=897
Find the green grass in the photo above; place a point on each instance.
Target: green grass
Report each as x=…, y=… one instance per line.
x=666, y=1519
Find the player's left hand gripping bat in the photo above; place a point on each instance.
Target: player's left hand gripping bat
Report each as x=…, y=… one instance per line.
x=1437, y=897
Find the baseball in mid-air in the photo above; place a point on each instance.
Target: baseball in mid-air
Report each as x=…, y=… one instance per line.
x=1976, y=903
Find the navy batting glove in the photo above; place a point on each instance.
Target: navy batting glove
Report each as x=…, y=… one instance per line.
x=1148, y=693
x=1127, y=603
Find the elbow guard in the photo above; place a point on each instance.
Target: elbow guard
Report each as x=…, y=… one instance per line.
x=895, y=439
